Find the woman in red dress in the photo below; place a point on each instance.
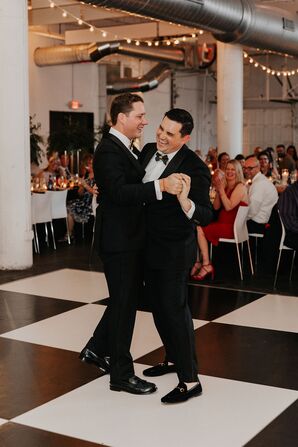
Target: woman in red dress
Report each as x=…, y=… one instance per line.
x=231, y=193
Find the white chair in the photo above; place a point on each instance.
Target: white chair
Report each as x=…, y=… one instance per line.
x=42, y=212
x=256, y=236
x=240, y=236
x=282, y=247
x=59, y=210
x=33, y=222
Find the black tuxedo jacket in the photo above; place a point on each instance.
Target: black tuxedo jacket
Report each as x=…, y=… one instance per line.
x=171, y=236
x=120, y=214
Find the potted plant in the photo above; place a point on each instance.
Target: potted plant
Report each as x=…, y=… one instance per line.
x=36, y=140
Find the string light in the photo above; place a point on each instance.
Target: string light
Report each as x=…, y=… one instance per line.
x=80, y=21
x=269, y=70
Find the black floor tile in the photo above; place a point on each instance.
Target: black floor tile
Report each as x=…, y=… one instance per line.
x=207, y=303
x=16, y=435
x=20, y=309
x=282, y=431
x=242, y=353
x=31, y=375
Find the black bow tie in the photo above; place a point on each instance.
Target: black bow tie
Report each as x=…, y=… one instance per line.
x=162, y=157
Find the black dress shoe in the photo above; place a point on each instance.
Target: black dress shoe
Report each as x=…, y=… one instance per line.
x=134, y=385
x=181, y=393
x=159, y=370
x=103, y=363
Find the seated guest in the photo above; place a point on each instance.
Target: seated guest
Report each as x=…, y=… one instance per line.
x=80, y=209
x=231, y=193
x=241, y=159
x=64, y=165
x=285, y=161
x=262, y=196
x=266, y=165
x=211, y=157
x=288, y=209
x=223, y=159
x=291, y=150
x=52, y=170
x=257, y=150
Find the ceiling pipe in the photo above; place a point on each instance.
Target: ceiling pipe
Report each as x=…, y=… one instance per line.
x=70, y=54
x=148, y=82
x=233, y=21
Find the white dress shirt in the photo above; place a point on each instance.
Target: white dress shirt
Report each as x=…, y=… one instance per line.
x=262, y=197
x=154, y=170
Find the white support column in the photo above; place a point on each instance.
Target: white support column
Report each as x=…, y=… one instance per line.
x=15, y=209
x=229, y=98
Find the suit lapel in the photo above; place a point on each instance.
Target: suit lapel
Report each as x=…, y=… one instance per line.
x=146, y=157
x=173, y=165
x=133, y=160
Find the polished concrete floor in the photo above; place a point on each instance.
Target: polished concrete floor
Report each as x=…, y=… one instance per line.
x=247, y=344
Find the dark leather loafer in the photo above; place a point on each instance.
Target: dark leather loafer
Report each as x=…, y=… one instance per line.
x=181, y=393
x=159, y=370
x=103, y=363
x=134, y=385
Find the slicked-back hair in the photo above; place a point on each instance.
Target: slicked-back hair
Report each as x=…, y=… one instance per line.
x=182, y=117
x=123, y=104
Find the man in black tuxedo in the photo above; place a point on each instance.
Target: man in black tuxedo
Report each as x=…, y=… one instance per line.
x=121, y=237
x=171, y=248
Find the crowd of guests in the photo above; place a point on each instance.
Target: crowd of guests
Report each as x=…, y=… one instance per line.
x=81, y=186
x=255, y=181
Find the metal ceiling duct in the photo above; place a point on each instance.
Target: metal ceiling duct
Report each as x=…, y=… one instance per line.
x=149, y=81
x=70, y=54
x=233, y=21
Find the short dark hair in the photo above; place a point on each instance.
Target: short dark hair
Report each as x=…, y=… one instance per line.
x=123, y=104
x=240, y=157
x=281, y=145
x=184, y=118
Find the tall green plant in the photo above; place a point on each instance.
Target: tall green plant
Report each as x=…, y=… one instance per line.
x=71, y=138
x=35, y=141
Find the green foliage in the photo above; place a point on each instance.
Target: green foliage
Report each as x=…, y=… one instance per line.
x=71, y=138
x=35, y=141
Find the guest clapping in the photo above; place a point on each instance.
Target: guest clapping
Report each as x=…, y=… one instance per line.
x=231, y=193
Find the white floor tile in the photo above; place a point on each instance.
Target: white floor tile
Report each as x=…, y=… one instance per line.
x=66, y=284
x=269, y=312
x=71, y=330
x=228, y=414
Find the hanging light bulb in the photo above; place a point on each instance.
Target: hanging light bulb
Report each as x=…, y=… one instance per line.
x=128, y=40
x=52, y=5
x=64, y=14
x=80, y=22
x=104, y=34
x=91, y=29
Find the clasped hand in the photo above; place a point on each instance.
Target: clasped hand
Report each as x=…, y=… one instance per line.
x=178, y=184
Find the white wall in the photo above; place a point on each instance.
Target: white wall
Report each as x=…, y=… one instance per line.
x=50, y=88
x=265, y=123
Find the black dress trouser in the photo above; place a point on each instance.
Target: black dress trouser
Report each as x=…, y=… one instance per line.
x=167, y=292
x=113, y=334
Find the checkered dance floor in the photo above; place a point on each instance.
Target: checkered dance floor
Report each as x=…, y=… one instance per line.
x=247, y=346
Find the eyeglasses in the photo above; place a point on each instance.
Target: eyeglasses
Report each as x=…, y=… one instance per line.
x=249, y=168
